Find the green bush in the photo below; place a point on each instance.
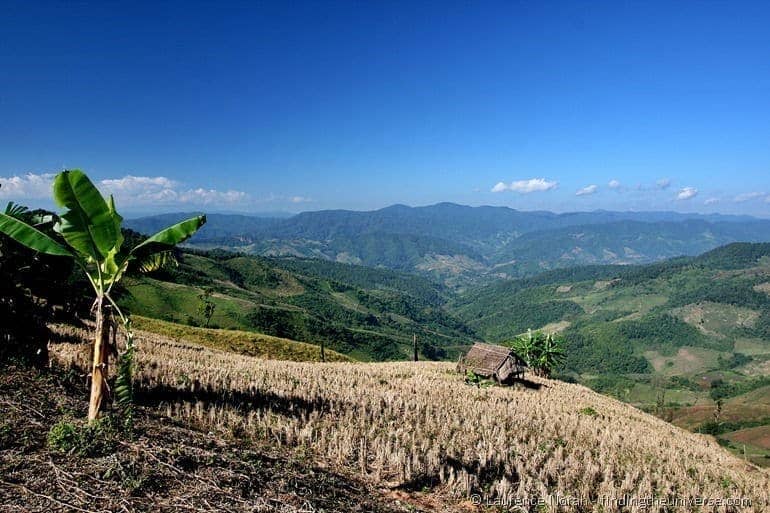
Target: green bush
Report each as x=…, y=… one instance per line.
x=663, y=332
x=613, y=385
x=63, y=437
x=94, y=439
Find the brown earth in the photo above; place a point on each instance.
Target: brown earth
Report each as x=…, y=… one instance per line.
x=167, y=466
x=757, y=436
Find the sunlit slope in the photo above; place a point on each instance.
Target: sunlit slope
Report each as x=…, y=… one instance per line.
x=687, y=339
x=153, y=332
x=418, y=427
x=370, y=314
x=676, y=317
x=236, y=341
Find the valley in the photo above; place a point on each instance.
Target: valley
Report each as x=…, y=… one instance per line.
x=674, y=338
x=369, y=314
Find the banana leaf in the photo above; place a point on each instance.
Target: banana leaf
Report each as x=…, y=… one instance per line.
x=31, y=237
x=90, y=226
x=171, y=236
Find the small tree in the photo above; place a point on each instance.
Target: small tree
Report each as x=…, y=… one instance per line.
x=542, y=352
x=91, y=228
x=206, y=306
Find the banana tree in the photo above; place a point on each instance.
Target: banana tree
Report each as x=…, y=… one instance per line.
x=551, y=354
x=542, y=352
x=91, y=228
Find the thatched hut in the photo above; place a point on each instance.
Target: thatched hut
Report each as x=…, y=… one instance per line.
x=492, y=362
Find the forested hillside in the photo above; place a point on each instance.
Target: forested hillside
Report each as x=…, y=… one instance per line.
x=363, y=312
x=688, y=337
x=462, y=245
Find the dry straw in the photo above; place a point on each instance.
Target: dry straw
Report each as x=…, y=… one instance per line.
x=417, y=425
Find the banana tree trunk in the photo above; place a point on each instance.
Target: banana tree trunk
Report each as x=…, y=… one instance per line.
x=99, y=364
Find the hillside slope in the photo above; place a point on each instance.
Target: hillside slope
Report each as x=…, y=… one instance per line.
x=168, y=467
x=405, y=427
x=675, y=336
x=715, y=301
x=365, y=313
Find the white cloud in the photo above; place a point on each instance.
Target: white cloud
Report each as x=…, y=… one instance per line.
x=613, y=184
x=663, y=184
x=135, y=183
x=526, y=186
x=146, y=190
x=711, y=201
x=210, y=196
x=588, y=189
x=748, y=196
x=129, y=191
x=300, y=199
x=141, y=189
x=687, y=193
x=29, y=186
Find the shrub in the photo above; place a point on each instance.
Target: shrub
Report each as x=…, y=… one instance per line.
x=711, y=428
x=97, y=438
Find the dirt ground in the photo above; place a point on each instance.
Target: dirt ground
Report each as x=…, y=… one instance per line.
x=165, y=467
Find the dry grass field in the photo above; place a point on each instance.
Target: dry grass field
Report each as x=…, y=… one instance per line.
x=418, y=429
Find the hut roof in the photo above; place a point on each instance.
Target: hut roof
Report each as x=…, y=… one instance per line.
x=487, y=358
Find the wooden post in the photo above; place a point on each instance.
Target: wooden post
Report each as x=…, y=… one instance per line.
x=99, y=363
x=323, y=350
x=414, y=345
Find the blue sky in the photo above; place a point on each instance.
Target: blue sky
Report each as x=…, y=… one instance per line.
x=258, y=106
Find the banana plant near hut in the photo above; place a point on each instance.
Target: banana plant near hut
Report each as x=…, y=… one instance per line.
x=91, y=228
x=542, y=352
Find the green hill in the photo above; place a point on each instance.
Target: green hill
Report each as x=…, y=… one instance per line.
x=715, y=301
x=677, y=334
x=369, y=314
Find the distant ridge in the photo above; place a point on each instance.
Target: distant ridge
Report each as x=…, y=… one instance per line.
x=460, y=244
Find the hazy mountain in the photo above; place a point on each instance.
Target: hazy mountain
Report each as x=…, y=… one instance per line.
x=461, y=244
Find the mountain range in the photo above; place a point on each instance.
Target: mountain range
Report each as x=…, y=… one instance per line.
x=462, y=245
